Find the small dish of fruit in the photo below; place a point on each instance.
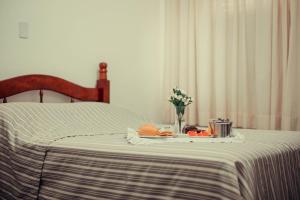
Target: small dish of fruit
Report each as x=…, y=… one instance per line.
x=194, y=131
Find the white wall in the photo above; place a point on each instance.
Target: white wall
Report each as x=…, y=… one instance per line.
x=68, y=38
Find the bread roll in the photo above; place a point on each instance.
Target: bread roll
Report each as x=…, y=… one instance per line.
x=148, y=130
x=166, y=133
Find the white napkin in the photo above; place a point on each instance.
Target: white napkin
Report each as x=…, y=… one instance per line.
x=133, y=138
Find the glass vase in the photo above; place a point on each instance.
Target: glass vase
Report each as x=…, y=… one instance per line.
x=179, y=119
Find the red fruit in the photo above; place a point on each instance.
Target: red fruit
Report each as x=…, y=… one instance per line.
x=205, y=133
x=192, y=133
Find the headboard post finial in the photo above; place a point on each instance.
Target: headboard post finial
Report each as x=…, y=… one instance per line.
x=103, y=83
x=103, y=71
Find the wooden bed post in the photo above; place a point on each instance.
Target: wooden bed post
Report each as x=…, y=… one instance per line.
x=103, y=83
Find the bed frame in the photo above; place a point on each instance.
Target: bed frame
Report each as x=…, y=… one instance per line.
x=16, y=85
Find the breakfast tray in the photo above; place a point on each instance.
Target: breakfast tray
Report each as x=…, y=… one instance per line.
x=134, y=138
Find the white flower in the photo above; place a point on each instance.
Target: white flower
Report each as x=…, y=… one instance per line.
x=186, y=101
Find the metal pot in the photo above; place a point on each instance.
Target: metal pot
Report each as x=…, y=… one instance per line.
x=220, y=127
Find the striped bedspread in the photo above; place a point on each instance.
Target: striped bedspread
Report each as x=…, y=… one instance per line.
x=79, y=151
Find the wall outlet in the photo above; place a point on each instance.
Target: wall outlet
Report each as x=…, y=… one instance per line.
x=23, y=30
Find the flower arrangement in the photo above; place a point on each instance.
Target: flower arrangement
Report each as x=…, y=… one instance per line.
x=180, y=100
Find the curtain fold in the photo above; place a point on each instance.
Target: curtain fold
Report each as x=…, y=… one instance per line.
x=238, y=59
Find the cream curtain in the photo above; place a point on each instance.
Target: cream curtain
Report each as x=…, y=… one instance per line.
x=238, y=59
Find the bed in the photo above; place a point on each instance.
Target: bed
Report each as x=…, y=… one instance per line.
x=79, y=151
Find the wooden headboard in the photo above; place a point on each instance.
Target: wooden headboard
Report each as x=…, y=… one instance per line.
x=40, y=82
